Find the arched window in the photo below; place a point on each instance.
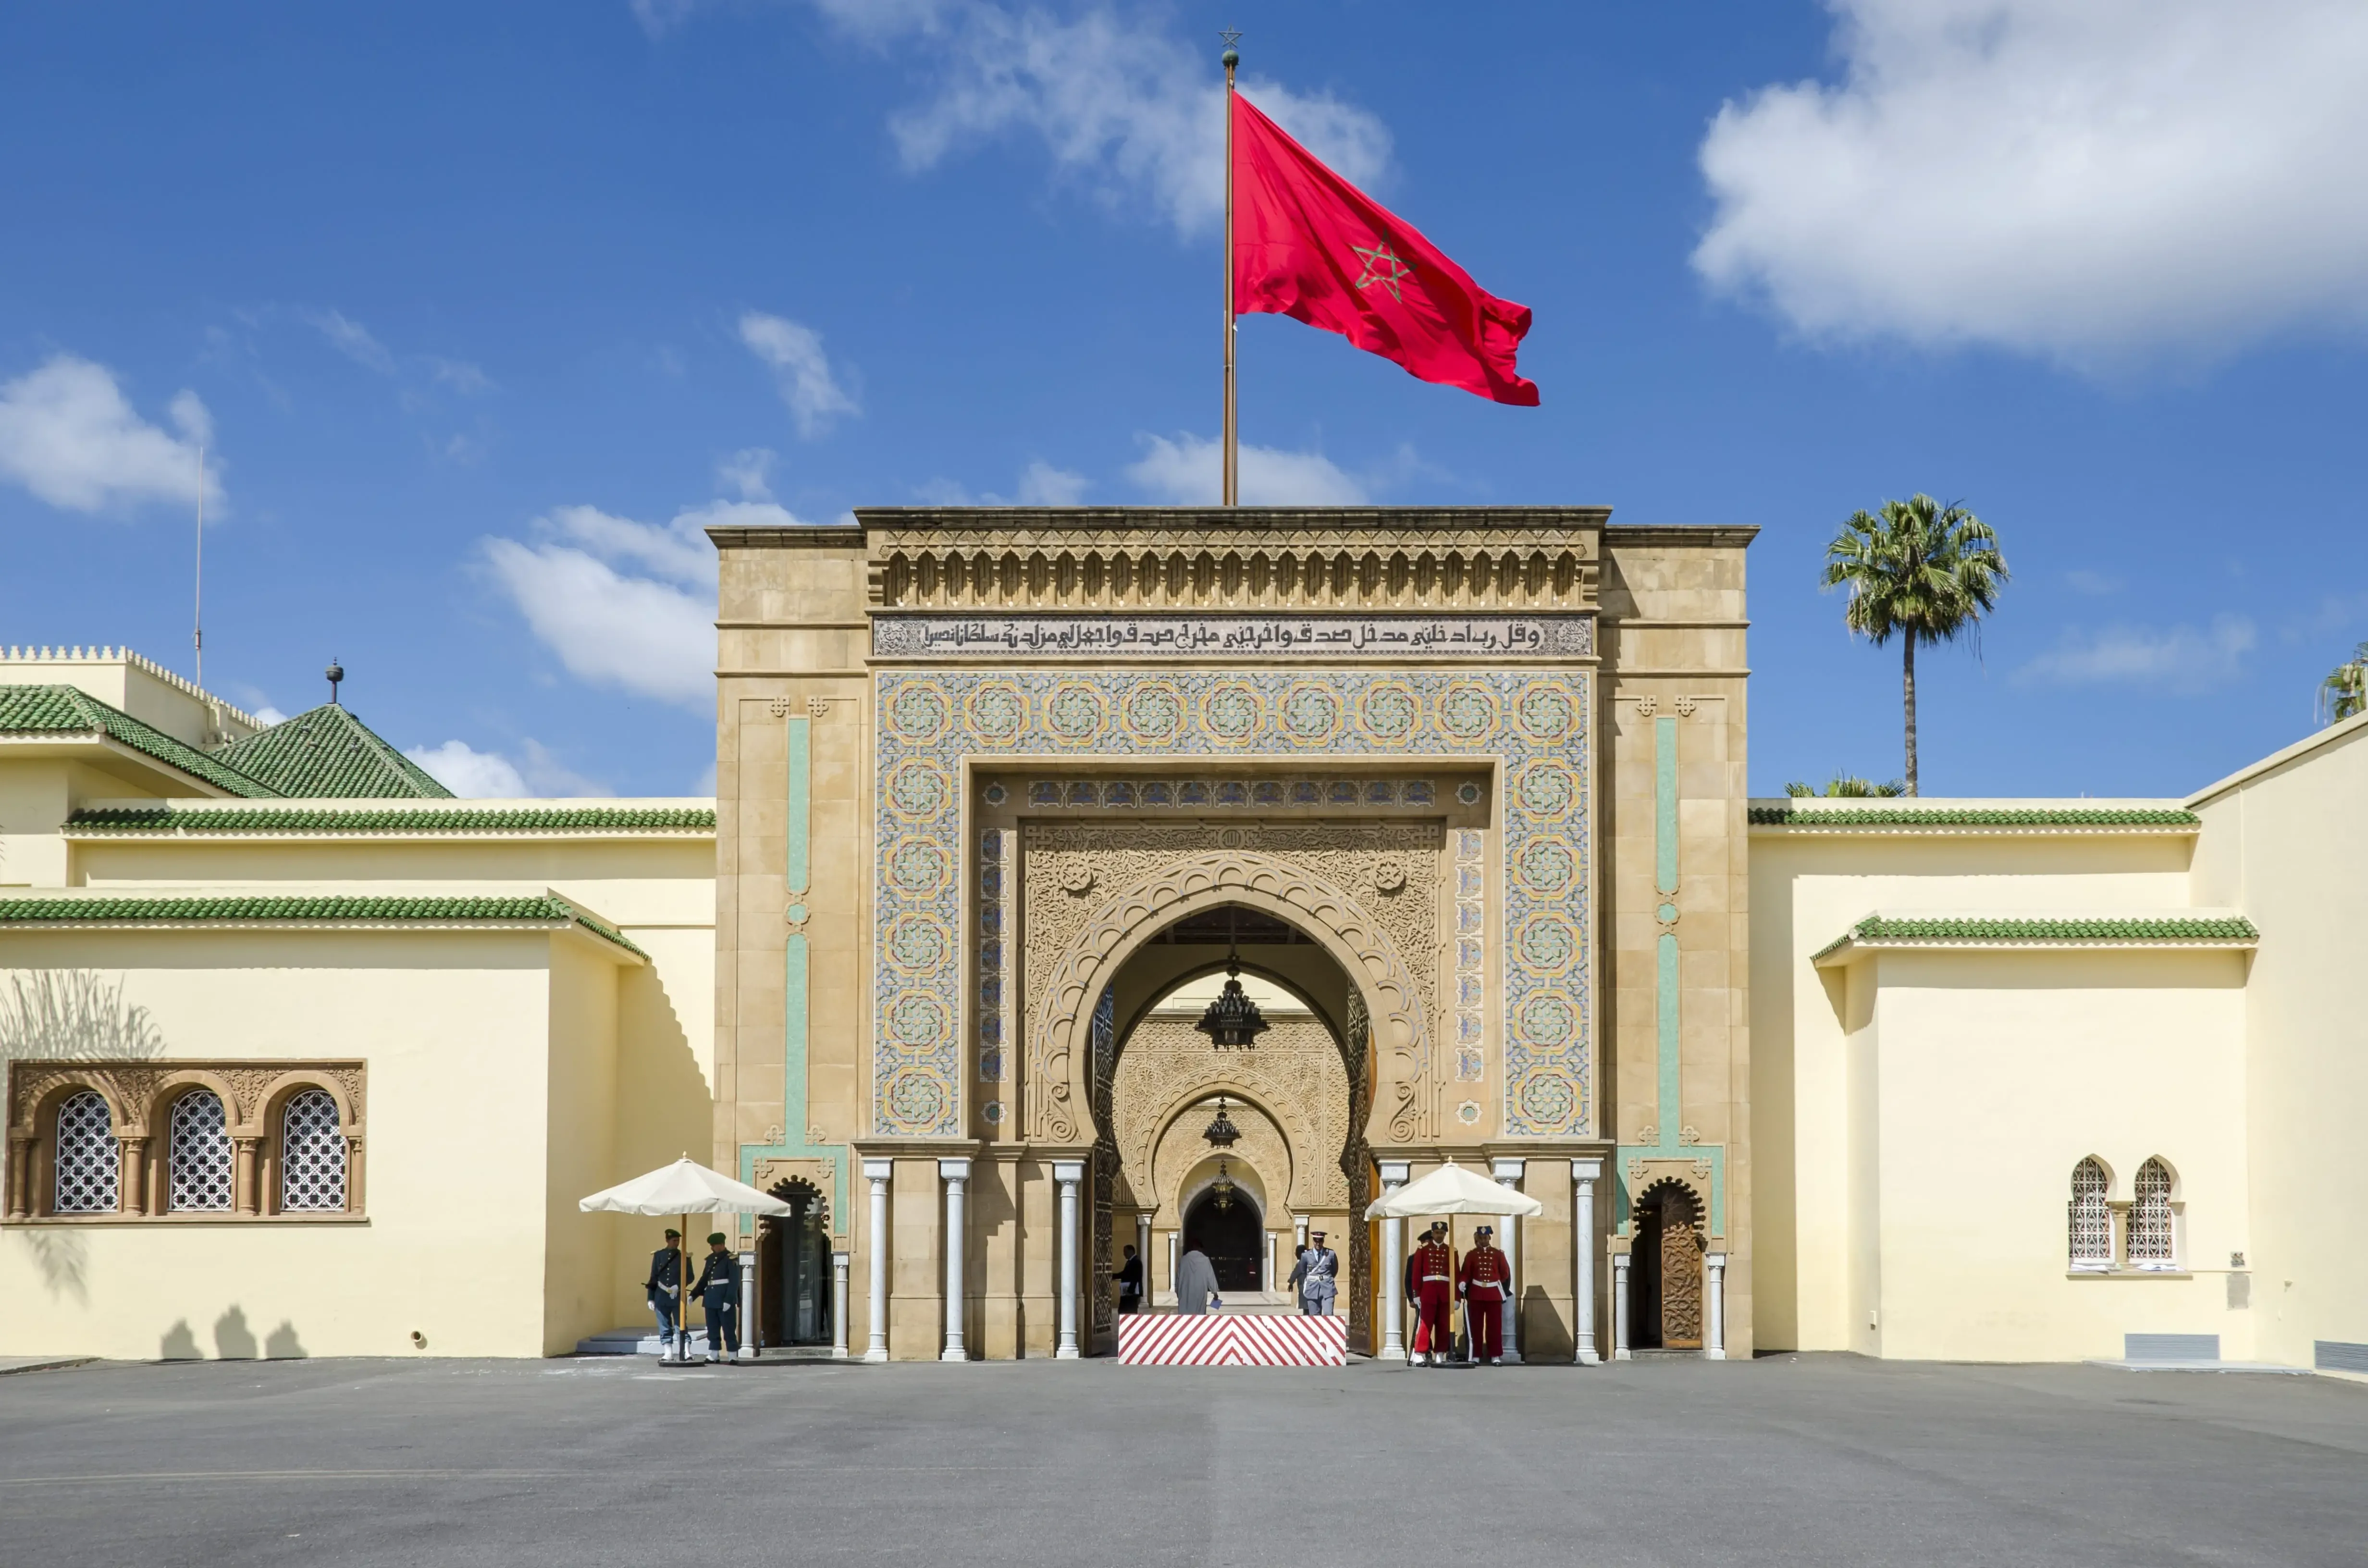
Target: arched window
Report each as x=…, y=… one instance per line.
x=311, y=1154
x=201, y=1153
x=89, y=1161
x=2092, y=1222
x=2151, y=1244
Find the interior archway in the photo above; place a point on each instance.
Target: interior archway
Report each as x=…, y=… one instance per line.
x=1232, y=1234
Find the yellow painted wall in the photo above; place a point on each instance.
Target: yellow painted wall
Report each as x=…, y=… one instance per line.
x=2287, y=842
x=456, y=1028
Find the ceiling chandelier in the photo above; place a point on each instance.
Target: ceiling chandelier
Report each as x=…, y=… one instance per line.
x=1222, y=1132
x=1222, y=1189
x=1232, y=1019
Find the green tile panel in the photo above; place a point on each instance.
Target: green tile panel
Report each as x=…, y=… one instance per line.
x=102, y=821
x=2171, y=929
x=1975, y=817
x=296, y=908
x=68, y=711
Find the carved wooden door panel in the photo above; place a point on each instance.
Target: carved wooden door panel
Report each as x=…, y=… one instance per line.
x=1681, y=1284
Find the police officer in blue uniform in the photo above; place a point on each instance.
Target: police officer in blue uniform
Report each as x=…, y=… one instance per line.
x=718, y=1289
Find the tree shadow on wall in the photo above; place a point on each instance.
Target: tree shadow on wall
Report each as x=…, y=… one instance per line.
x=70, y=1015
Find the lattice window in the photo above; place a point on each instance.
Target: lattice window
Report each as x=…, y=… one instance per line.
x=2151, y=1244
x=311, y=1154
x=201, y=1153
x=89, y=1161
x=2092, y=1222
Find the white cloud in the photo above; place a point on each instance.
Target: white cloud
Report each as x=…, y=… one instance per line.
x=468, y=380
x=625, y=603
x=749, y=471
x=464, y=770
x=268, y=716
x=1120, y=103
x=794, y=352
x=659, y=17
x=2083, y=181
x=352, y=340
x=487, y=775
x=1041, y=484
x=2097, y=583
x=1189, y=471
x=69, y=434
x=2175, y=658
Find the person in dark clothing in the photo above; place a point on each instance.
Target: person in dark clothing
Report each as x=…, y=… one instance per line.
x=1129, y=1283
x=663, y=1288
x=718, y=1289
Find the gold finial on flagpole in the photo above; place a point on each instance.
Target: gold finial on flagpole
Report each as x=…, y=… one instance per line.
x=1230, y=488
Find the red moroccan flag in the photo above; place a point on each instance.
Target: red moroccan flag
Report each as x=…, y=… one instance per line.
x=1310, y=246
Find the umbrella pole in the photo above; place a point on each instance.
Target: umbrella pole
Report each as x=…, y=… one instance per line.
x=682, y=1301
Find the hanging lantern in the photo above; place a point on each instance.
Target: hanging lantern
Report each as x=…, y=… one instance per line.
x=1232, y=1019
x=1222, y=1189
x=1222, y=1132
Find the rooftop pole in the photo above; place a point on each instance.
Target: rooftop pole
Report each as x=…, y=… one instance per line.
x=198, y=605
x=1232, y=487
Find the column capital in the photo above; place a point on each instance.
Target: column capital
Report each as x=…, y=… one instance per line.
x=1063, y=1170
x=1585, y=1170
x=1394, y=1172
x=879, y=1170
x=839, y=1260
x=954, y=1169
x=1508, y=1170
x=1714, y=1261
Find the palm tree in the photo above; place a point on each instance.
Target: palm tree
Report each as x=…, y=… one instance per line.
x=2345, y=691
x=1843, y=786
x=1919, y=571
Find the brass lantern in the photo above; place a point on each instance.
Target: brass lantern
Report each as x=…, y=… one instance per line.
x=1233, y=1020
x=1222, y=1133
x=1222, y=1189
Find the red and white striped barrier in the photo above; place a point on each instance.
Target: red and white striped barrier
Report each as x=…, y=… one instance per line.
x=1226, y=1339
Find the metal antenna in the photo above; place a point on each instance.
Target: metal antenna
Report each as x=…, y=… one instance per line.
x=198, y=610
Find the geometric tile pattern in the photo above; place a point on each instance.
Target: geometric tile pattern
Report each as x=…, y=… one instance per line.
x=1536, y=723
x=201, y=1153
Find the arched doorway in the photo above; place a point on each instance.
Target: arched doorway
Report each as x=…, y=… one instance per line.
x=793, y=1290
x=1665, y=1270
x=1231, y=1235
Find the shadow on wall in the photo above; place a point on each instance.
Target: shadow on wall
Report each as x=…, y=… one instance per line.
x=233, y=1341
x=47, y=1015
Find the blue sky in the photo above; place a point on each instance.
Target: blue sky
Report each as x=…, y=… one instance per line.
x=483, y=310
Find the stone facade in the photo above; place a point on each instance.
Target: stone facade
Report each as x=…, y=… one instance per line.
x=976, y=766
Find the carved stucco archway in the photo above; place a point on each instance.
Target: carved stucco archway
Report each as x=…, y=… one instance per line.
x=1060, y=1087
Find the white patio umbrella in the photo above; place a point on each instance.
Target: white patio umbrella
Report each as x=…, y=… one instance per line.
x=1453, y=1189
x=685, y=1187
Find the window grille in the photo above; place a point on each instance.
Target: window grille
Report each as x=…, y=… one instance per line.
x=2150, y=1238
x=90, y=1163
x=311, y=1154
x=201, y=1153
x=2092, y=1222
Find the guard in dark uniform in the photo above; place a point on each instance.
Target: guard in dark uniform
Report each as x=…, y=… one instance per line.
x=1129, y=1283
x=1484, y=1281
x=663, y=1288
x=1433, y=1275
x=718, y=1289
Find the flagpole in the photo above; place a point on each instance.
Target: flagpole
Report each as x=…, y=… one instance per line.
x=1232, y=487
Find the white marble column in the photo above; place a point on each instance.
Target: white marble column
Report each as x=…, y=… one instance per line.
x=1299, y=1231
x=877, y=1173
x=1267, y=1283
x=1620, y=1307
x=1714, y=1342
x=1582, y=1245
x=1143, y=1255
x=1069, y=1174
x=1175, y=1252
x=1393, y=1176
x=747, y=1306
x=838, y=1261
x=955, y=1174
x=1509, y=1172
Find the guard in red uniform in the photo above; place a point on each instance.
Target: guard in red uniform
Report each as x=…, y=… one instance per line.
x=1484, y=1281
x=1433, y=1267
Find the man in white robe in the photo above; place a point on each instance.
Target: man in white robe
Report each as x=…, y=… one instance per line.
x=1196, y=1283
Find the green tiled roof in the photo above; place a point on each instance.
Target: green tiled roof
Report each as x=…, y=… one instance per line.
x=1973, y=816
x=65, y=711
x=143, y=909
x=391, y=819
x=325, y=751
x=1972, y=930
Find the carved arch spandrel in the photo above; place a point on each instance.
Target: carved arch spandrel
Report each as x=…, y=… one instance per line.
x=1357, y=942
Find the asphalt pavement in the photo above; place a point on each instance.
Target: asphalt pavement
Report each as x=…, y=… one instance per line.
x=1812, y=1460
